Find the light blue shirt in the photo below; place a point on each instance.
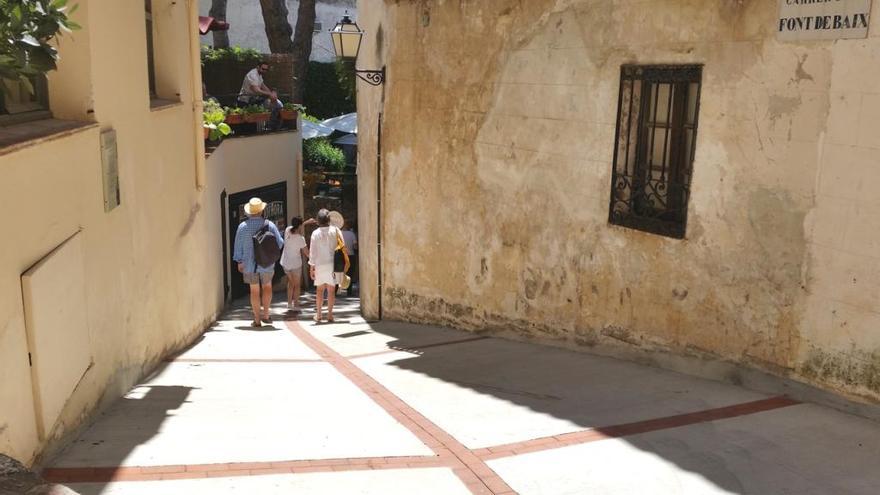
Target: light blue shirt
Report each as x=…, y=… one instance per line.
x=244, y=244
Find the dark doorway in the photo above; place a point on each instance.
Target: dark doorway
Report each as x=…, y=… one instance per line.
x=276, y=211
x=226, y=255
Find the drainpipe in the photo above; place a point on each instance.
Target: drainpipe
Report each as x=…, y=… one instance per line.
x=195, y=80
x=379, y=208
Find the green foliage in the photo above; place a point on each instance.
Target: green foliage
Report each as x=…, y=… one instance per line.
x=234, y=111
x=295, y=107
x=319, y=152
x=27, y=28
x=324, y=94
x=234, y=53
x=309, y=118
x=254, y=109
x=212, y=119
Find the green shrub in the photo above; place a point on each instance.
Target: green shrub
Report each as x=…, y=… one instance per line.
x=235, y=53
x=325, y=95
x=319, y=152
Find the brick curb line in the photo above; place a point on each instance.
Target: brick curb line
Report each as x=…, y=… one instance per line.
x=473, y=471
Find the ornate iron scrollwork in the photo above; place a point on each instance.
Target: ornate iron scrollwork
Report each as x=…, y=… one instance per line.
x=372, y=77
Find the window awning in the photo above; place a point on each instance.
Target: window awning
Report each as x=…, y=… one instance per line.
x=207, y=24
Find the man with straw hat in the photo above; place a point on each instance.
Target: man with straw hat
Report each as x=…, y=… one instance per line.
x=255, y=275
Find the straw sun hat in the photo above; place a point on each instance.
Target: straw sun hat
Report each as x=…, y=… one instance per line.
x=336, y=219
x=255, y=206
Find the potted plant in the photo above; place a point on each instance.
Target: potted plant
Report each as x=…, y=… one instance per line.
x=213, y=123
x=234, y=115
x=255, y=113
x=290, y=111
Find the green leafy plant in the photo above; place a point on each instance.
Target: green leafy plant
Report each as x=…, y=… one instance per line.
x=310, y=118
x=234, y=53
x=319, y=152
x=234, y=111
x=296, y=107
x=27, y=28
x=254, y=110
x=213, y=118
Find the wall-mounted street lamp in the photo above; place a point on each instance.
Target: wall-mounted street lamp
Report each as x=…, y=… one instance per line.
x=347, y=38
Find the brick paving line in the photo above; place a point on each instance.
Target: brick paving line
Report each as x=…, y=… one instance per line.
x=628, y=429
x=234, y=469
x=477, y=476
x=240, y=360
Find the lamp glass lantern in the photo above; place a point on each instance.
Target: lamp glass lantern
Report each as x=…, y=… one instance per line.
x=347, y=37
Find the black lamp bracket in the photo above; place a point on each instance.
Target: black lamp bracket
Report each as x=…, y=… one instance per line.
x=372, y=77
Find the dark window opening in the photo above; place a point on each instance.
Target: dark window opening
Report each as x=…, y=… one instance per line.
x=20, y=103
x=151, y=71
x=658, y=109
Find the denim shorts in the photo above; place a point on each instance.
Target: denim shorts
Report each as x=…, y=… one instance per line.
x=252, y=278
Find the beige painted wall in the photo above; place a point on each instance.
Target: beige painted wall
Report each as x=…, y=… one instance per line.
x=153, y=267
x=498, y=136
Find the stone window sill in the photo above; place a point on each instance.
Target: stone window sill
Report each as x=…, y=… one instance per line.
x=159, y=104
x=19, y=136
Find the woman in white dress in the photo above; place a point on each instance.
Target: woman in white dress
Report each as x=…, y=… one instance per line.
x=325, y=239
x=291, y=260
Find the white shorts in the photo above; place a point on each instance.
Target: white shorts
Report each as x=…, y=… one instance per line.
x=324, y=275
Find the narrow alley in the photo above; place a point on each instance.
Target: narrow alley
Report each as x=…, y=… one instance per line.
x=387, y=408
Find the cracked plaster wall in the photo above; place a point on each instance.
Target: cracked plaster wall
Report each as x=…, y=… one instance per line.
x=498, y=136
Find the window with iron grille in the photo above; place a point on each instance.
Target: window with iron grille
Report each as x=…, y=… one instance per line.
x=658, y=109
x=22, y=103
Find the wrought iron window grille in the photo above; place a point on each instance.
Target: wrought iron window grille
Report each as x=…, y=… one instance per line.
x=658, y=110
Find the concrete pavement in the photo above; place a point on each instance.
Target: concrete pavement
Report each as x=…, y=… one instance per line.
x=385, y=408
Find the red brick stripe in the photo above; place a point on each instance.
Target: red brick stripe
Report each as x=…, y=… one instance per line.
x=232, y=469
x=240, y=360
x=628, y=429
x=473, y=471
x=392, y=350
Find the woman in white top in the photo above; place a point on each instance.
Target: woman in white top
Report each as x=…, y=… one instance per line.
x=291, y=260
x=324, y=241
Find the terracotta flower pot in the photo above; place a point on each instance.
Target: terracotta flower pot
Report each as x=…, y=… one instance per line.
x=288, y=114
x=253, y=118
x=234, y=118
x=207, y=132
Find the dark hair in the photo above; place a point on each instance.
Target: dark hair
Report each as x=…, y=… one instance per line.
x=262, y=63
x=323, y=217
x=295, y=222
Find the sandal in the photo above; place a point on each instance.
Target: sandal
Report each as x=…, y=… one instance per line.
x=267, y=320
x=330, y=319
x=317, y=318
x=256, y=324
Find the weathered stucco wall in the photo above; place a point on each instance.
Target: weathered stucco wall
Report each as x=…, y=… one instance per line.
x=152, y=265
x=497, y=148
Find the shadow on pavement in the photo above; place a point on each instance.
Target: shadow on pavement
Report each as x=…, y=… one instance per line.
x=762, y=453
x=131, y=421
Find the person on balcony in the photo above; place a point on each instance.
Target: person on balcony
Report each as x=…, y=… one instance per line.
x=255, y=92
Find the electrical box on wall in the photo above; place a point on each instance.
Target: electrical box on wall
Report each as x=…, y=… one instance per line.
x=110, y=169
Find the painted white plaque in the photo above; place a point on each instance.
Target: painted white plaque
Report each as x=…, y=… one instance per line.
x=801, y=20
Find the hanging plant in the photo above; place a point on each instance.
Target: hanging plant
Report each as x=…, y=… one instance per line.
x=27, y=28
